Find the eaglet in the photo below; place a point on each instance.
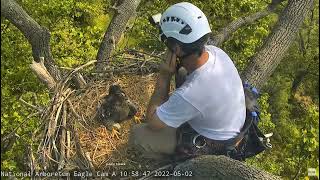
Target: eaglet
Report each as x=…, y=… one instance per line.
x=116, y=108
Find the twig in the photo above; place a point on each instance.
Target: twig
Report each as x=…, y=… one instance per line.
x=80, y=152
x=85, y=127
x=64, y=97
x=49, y=140
x=77, y=69
x=53, y=123
x=31, y=159
x=73, y=110
x=63, y=139
x=67, y=68
x=110, y=141
x=142, y=52
x=95, y=150
x=102, y=154
x=68, y=144
x=91, y=166
x=50, y=158
x=56, y=151
x=140, y=60
x=30, y=105
x=124, y=71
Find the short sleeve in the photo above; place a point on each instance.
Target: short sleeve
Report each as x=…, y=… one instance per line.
x=176, y=111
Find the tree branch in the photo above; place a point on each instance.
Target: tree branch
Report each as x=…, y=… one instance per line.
x=38, y=37
x=221, y=167
x=124, y=11
x=39, y=109
x=44, y=76
x=274, y=48
x=225, y=33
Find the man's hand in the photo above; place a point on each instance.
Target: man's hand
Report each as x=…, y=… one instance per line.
x=168, y=67
x=161, y=91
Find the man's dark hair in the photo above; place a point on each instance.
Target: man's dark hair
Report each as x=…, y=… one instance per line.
x=196, y=47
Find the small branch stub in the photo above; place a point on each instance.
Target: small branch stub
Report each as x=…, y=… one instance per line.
x=42, y=73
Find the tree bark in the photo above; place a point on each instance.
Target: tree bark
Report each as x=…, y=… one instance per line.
x=221, y=167
x=225, y=33
x=124, y=11
x=41, y=71
x=38, y=37
x=267, y=59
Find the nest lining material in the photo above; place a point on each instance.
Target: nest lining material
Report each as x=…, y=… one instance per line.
x=105, y=152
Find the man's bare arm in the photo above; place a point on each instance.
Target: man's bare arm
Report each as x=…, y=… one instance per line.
x=159, y=96
x=161, y=91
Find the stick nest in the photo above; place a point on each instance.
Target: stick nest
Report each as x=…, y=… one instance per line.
x=105, y=151
x=73, y=139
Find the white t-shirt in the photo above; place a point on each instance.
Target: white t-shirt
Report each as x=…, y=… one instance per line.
x=211, y=99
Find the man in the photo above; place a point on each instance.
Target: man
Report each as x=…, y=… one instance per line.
x=211, y=99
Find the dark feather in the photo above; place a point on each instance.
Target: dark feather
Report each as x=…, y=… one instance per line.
x=116, y=106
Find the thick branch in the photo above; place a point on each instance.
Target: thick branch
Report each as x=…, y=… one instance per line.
x=80, y=82
x=274, y=48
x=37, y=36
x=225, y=33
x=8, y=141
x=44, y=76
x=124, y=11
x=221, y=167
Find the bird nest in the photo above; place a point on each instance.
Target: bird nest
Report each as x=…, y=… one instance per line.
x=107, y=152
x=71, y=136
x=73, y=139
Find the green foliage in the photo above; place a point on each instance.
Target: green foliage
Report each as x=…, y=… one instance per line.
x=76, y=29
x=289, y=103
x=293, y=104
x=266, y=123
x=143, y=34
x=245, y=42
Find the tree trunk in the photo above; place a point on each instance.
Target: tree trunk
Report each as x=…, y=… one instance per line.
x=267, y=59
x=221, y=167
x=124, y=11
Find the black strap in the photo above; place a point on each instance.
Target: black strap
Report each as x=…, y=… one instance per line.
x=231, y=143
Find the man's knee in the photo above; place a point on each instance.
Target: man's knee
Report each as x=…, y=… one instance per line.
x=136, y=133
x=162, y=141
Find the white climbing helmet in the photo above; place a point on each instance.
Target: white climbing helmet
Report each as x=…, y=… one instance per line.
x=184, y=22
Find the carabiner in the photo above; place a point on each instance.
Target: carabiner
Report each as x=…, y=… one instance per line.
x=194, y=142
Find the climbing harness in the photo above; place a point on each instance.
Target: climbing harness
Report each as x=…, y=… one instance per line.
x=249, y=142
